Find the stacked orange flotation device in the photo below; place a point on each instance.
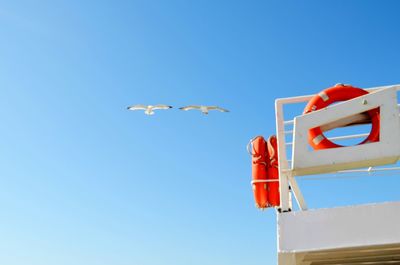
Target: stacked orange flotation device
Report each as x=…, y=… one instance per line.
x=265, y=172
x=340, y=92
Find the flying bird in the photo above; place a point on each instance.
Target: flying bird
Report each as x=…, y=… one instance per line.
x=204, y=109
x=149, y=109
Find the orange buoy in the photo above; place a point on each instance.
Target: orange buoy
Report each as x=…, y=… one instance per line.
x=259, y=171
x=316, y=138
x=265, y=172
x=273, y=172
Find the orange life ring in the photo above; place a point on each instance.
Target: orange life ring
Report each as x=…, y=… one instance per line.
x=265, y=172
x=273, y=172
x=259, y=171
x=316, y=138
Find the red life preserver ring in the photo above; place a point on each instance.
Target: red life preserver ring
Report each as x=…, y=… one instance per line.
x=316, y=138
x=273, y=172
x=259, y=159
x=265, y=174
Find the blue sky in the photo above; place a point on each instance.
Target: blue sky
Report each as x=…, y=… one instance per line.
x=84, y=181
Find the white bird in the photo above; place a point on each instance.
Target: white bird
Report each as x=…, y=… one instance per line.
x=149, y=109
x=204, y=109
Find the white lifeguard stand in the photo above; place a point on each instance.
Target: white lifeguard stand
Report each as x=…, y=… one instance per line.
x=357, y=235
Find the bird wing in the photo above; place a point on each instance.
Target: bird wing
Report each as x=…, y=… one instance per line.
x=189, y=107
x=137, y=107
x=162, y=107
x=217, y=108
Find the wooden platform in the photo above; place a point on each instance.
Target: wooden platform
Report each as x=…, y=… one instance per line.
x=356, y=235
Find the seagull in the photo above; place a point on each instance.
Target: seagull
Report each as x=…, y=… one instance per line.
x=149, y=110
x=204, y=109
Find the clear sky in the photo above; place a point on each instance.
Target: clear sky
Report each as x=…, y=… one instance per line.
x=84, y=181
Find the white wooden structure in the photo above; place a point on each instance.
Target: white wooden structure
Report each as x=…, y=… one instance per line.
x=368, y=234
x=356, y=235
